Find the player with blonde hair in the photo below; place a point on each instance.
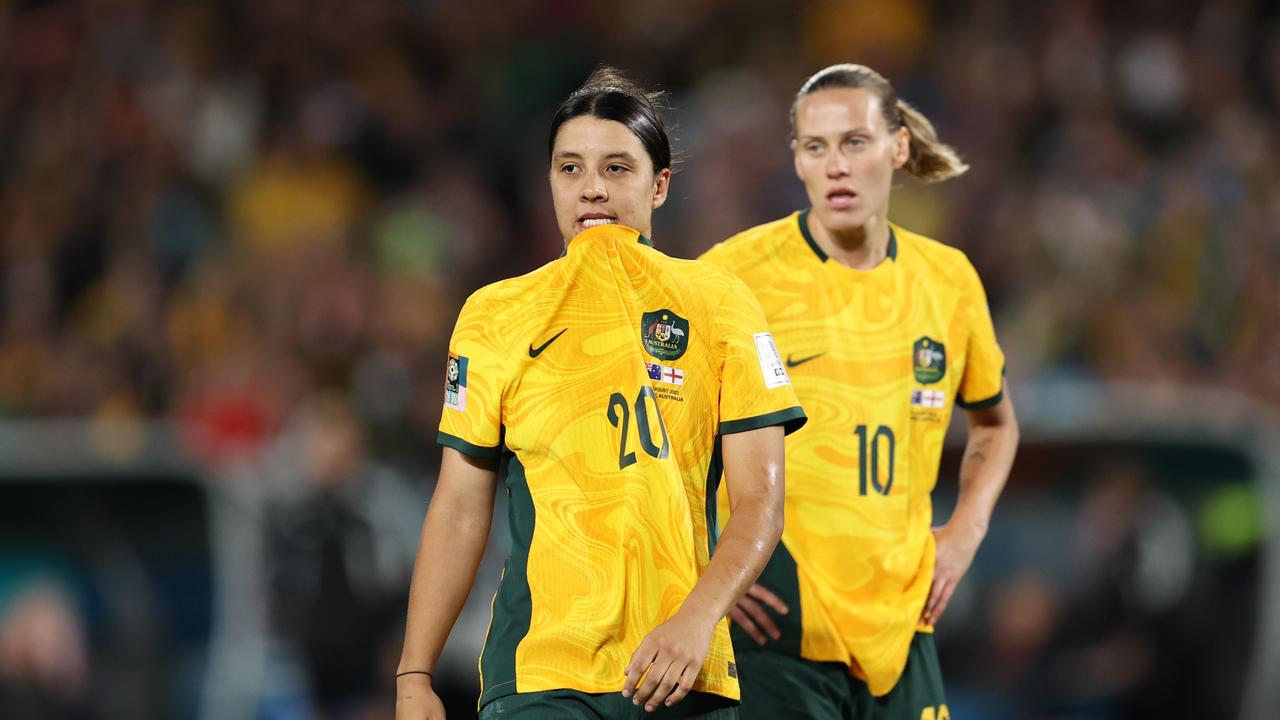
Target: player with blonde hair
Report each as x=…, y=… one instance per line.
x=883, y=331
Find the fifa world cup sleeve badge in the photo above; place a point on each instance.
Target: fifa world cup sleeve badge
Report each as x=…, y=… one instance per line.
x=455, y=382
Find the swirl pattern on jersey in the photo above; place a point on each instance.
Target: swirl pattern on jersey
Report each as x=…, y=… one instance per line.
x=615, y=462
x=860, y=474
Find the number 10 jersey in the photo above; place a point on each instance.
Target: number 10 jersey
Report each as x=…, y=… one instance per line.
x=879, y=357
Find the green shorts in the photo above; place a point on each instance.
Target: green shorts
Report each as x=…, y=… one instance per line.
x=781, y=687
x=574, y=705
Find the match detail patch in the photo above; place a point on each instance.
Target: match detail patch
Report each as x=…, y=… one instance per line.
x=775, y=373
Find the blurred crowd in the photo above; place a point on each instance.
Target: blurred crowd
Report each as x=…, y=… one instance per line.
x=259, y=219
x=214, y=210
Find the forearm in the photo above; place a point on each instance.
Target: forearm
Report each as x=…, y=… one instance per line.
x=749, y=538
x=454, y=536
x=988, y=458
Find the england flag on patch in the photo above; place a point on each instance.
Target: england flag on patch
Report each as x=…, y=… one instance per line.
x=664, y=373
x=933, y=399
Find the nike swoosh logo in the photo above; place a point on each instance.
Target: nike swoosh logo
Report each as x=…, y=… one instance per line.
x=536, y=351
x=796, y=362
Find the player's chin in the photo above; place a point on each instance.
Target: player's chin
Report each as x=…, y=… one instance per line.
x=839, y=219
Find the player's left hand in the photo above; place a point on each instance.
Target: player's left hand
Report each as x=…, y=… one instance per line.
x=672, y=654
x=956, y=548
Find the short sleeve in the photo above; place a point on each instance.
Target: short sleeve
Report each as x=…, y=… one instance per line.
x=982, y=385
x=755, y=390
x=471, y=421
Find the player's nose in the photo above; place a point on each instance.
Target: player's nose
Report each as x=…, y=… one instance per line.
x=593, y=191
x=837, y=165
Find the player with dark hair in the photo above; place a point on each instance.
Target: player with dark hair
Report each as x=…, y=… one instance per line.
x=884, y=331
x=612, y=384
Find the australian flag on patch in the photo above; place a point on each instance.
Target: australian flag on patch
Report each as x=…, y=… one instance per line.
x=655, y=370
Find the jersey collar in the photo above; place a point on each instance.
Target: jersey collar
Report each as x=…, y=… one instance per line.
x=803, y=219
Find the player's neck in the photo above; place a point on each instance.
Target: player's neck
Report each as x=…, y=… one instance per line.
x=861, y=248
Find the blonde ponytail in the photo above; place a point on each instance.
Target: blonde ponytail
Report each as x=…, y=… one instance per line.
x=930, y=160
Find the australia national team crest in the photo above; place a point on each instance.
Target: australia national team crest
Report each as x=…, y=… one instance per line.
x=665, y=334
x=929, y=359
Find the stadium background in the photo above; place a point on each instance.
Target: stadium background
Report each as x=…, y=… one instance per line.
x=234, y=236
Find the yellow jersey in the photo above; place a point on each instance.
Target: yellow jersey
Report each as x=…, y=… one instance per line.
x=604, y=380
x=878, y=358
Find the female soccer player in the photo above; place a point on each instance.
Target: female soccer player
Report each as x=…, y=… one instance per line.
x=883, y=330
x=611, y=383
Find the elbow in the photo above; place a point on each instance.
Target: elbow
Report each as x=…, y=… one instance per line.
x=775, y=514
x=771, y=528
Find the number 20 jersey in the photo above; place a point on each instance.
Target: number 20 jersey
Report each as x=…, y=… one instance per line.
x=878, y=357
x=604, y=380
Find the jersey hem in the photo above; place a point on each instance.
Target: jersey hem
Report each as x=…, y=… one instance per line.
x=791, y=419
x=508, y=688
x=466, y=448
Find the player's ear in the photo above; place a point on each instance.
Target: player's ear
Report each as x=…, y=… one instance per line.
x=902, y=151
x=661, y=184
x=795, y=158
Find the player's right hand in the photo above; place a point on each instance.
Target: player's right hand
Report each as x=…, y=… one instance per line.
x=417, y=700
x=664, y=667
x=752, y=618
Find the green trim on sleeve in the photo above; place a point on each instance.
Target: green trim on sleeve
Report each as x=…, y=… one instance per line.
x=989, y=402
x=466, y=448
x=791, y=419
x=981, y=404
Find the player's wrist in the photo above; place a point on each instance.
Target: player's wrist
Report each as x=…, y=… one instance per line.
x=417, y=673
x=970, y=530
x=700, y=614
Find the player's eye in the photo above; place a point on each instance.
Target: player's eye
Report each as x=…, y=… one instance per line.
x=814, y=148
x=570, y=169
x=617, y=169
x=855, y=142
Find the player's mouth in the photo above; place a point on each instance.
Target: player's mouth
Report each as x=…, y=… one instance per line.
x=841, y=198
x=590, y=220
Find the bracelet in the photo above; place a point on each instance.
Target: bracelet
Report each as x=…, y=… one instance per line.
x=414, y=672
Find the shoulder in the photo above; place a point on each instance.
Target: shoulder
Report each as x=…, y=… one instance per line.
x=509, y=292
x=704, y=285
x=499, y=309
x=710, y=292
x=700, y=270
x=938, y=261
x=755, y=246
